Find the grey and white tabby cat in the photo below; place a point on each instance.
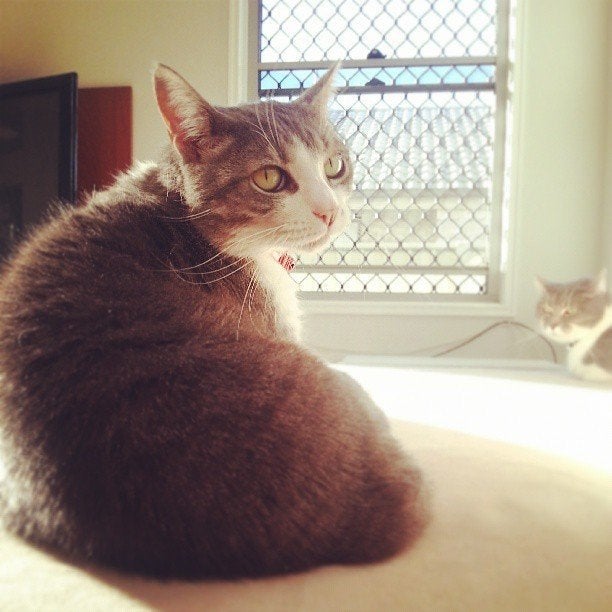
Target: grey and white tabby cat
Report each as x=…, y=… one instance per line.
x=157, y=412
x=579, y=314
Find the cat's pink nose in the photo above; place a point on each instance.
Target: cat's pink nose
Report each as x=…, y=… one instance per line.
x=327, y=217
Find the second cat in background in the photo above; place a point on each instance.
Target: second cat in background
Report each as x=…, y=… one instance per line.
x=579, y=315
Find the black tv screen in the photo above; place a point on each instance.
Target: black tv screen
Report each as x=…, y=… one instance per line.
x=38, y=149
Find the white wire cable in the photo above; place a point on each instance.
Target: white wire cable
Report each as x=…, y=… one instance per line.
x=434, y=351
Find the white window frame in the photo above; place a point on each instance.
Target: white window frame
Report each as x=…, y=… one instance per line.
x=325, y=302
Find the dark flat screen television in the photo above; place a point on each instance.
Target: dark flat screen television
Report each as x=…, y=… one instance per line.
x=38, y=151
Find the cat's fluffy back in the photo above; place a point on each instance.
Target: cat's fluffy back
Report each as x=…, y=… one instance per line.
x=157, y=438
x=251, y=456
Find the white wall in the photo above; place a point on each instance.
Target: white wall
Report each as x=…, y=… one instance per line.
x=116, y=42
x=562, y=106
x=560, y=151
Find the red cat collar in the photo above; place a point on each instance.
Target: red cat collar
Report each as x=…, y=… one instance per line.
x=286, y=261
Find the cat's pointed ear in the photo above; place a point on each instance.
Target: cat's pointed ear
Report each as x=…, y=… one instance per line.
x=539, y=283
x=319, y=94
x=186, y=114
x=601, y=281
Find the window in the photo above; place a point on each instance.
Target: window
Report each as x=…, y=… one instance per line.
x=422, y=107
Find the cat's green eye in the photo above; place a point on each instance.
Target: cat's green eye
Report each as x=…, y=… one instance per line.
x=269, y=178
x=334, y=167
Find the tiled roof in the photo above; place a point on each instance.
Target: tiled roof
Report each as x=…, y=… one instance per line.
x=419, y=148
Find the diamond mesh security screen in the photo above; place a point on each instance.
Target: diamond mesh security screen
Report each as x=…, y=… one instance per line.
x=417, y=107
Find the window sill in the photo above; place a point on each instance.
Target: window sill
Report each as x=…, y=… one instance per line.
x=428, y=306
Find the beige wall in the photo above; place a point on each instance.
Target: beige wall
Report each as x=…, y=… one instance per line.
x=607, y=210
x=116, y=42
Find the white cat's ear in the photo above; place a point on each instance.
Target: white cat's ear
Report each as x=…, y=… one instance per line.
x=185, y=113
x=319, y=94
x=539, y=283
x=601, y=281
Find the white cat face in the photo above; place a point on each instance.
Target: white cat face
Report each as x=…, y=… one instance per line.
x=562, y=331
x=308, y=193
x=566, y=312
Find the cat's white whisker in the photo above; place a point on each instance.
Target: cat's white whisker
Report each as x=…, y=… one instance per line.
x=246, y=293
x=236, y=262
x=253, y=289
x=275, y=125
x=274, y=148
x=224, y=252
x=257, y=129
x=215, y=280
x=253, y=238
x=197, y=215
x=231, y=264
x=270, y=111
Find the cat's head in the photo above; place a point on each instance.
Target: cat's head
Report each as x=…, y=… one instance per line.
x=261, y=176
x=566, y=311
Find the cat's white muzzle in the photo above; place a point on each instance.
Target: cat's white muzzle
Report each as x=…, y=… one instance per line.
x=319, y=242
x=563, y=336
